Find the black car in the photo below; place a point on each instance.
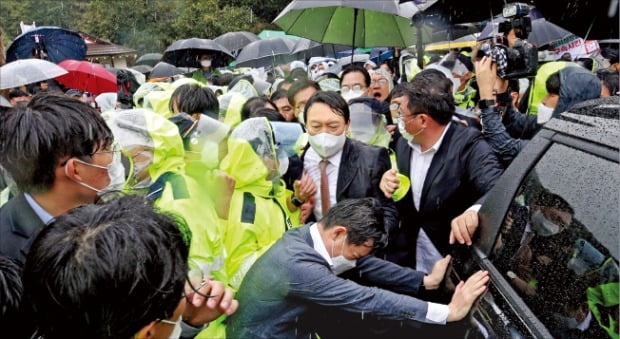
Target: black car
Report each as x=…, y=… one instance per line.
x=548, y=234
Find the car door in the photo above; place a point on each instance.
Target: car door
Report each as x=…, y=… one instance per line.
x=549, y=239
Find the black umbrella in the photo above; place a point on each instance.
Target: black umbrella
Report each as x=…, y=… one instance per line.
x=144, y=69
x=306, y=49
x=54, y=44
x=150, y=59
x=269, y=52
x=185, y=53
x=543, y=32
x=235, y=41
x=165, y=70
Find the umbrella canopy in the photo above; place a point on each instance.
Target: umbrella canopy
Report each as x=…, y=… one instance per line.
x=86, y=76
x=164, y=70
x=27, y=71
x=144, y=69
x=268, y=52
x=186, y=52
x=306, y=49
x=52, y=43
x=150, y=59
x=543, y=31
x=140, y=77
x=270, y=34
x=234, y=41
x=348, y=22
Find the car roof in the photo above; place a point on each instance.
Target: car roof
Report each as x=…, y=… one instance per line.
x=593, y=120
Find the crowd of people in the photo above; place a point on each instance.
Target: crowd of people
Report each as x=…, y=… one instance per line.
x=307, y=199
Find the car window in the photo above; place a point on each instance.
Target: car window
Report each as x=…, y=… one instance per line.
x=558, y=246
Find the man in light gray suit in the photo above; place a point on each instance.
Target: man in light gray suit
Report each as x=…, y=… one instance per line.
x=288, y=291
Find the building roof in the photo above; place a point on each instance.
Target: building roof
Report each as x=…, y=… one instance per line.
x=100, y=47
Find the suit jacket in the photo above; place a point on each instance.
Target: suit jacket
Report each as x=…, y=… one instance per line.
x=282, y=294
x=359, y=174
x=19, y=225
x=463, y=170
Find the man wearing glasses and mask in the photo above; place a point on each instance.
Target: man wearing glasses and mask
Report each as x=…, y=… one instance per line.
x=60, y=154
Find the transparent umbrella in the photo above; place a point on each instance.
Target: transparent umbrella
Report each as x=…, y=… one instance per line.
x=27, y=71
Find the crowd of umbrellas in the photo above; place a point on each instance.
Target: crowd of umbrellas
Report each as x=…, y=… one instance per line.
x=310, y=28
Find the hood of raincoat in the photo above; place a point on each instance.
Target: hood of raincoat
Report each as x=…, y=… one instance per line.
x=250, y=144
x=147, y=129
x=540, y=89
x=232, y=102
x=156, y=96
x=577, y=84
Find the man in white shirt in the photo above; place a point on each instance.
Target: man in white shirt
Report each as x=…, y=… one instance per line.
x=342, y=168
x=291, y=289
x=450, y=167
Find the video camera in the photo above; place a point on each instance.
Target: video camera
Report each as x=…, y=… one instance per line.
x=521, y=59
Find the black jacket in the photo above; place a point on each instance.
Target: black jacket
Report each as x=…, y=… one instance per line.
x=463, y=170
x=19, y=225
x=359, y=174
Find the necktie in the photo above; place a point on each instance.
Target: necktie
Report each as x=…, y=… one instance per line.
x=324, y=187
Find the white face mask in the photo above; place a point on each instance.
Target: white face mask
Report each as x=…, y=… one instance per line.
x=116, y=174
x=352, y=94
x=282, y=165
x=408, y=136
x=176, y=332
x=205, y=63
x=544, y=113
x=543, y=226
x=341, y=264
x=326, y=144
x=210, y=154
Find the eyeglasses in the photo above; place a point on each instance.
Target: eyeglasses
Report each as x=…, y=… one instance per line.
x=195, y=281
x=346, y=88
x=396, y=107
x=381, y=82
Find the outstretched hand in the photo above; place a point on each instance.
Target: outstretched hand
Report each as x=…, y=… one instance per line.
x=465, y=295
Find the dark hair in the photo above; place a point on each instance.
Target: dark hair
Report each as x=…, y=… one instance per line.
x=548, y=199
x=270, y=114
x=299, y=86
x=359, y=69
x=553, y=83
x=34, y=138
x=388, y=64
x=279, y=94
x=513, y=85
x=332, y=99
x=363, y=219
x=429, y=92
x=16, y=93
x=192, y=98
x=11, y=291
x=253, y=104
x=610, y=80
x=222, y=79
x=106, y=270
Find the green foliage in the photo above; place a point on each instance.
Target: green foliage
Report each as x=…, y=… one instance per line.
x=145, y=25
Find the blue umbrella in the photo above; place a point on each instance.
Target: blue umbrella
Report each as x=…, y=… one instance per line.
x=54, y=44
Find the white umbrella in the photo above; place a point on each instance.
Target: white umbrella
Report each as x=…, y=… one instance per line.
x=26, y=71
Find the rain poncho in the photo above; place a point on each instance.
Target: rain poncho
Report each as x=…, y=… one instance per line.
x=232, y=102
x=258, y=213
x=155, y=147
x=539, y=91
x=157, y=96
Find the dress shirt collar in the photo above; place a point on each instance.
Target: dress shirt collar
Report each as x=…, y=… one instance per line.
x=435, y=147
x=311, y=154
x=319, y=246
x=38, y=210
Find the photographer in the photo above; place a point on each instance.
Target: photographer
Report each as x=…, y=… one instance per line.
x=565, y=88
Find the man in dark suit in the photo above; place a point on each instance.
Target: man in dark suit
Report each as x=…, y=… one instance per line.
x=58, y=152
x=450, y=166
x=342, y=168
x=290, y=291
